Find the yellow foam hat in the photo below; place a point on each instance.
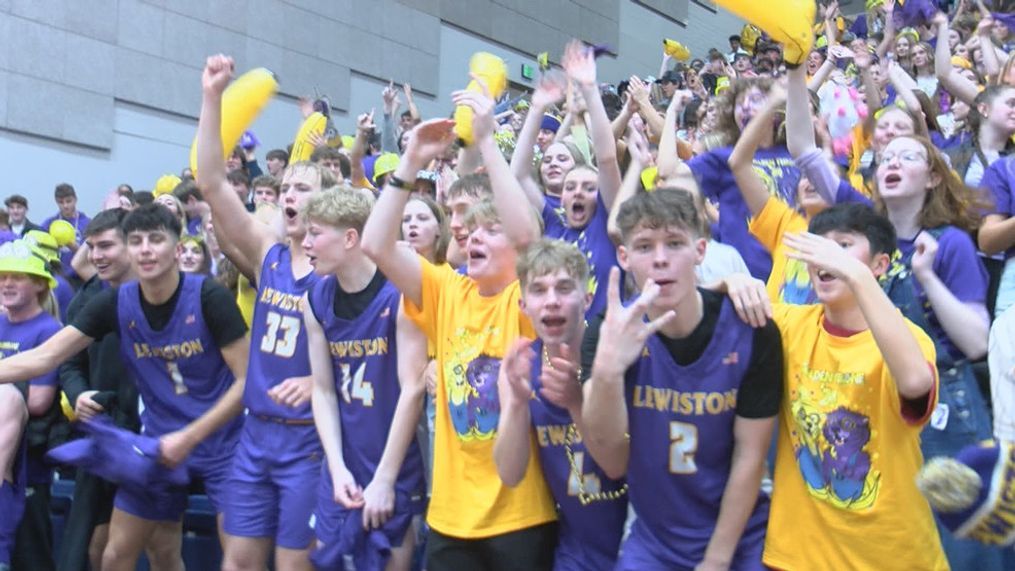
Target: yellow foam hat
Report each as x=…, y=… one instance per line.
x=43, y=244
x=64, y=233
x=16, y=258
x=385, y=164
x=166, y=184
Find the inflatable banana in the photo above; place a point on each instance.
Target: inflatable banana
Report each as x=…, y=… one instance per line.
x=493, y=72
x=303, y=147
x=63, y=232
x=676, y=50
x=242, y=102
x=785, y=21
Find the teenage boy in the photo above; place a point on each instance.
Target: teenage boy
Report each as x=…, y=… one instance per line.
x=17, y=208
x=274, y=475
x=540, y=397
x=860, y=385
x=25, y=286
x=683, y=404
x=184, y=341
x=476, y=521
x=96, y=381
x=67, y=210
x=364, y=349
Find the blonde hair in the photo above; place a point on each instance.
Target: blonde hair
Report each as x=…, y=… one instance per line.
x=549, y=255
x=484, y=213
x=324, y=175
x=340, y=207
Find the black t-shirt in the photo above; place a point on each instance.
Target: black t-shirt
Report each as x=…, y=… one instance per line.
x=761, y=390
x=351, y=305
x=221, y=314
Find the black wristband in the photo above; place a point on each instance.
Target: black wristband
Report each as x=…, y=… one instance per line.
x=399, y=183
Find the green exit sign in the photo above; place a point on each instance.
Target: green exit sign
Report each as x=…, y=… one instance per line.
x=528, y=71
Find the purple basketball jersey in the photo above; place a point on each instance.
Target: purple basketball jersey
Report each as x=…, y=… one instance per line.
x=589, y=534
x=180, y=371
x=278, y=347
x=681, y=425
x=365, y=361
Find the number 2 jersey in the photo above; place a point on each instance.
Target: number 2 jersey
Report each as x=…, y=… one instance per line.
x=590, y=534
x=365, y=360
x=278, y=348
x=681, y=421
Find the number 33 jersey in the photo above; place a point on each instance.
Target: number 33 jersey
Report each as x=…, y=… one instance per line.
x=278, y=341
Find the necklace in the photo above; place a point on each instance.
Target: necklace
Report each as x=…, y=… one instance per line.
x=584, y=498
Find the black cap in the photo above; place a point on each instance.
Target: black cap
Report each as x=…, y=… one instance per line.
x=16, y=199
x=671, y=76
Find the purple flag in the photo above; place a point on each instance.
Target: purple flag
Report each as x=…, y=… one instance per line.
x=909, y=13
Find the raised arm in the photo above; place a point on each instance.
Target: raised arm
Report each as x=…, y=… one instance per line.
x=410, y=102
x=389, y=134
x=899, y=347
x=364, y=126
x=741, y=160
x=380, y=235
x=904, y=86
x=379, y=495
x=516, y=213
x=637, y=147
x=886, y=44
x=668, y=158
x=549, y=91
x=953, y=82
x=580, y=65
x=991, y=61
x=232, y=222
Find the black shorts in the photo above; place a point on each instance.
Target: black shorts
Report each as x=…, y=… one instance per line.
x=529, y=549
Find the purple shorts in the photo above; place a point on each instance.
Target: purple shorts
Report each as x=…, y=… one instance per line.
x=166, y=502
x=273, y=482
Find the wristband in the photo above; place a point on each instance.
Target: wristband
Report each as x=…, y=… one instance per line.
x=398, y=183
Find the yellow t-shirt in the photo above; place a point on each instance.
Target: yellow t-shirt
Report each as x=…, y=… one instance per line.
x=470, y=334
x=844, y=495
x=246, y=295
x=789, y=281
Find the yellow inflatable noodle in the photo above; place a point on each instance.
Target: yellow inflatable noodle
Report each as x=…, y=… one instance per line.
x=493, y=72
x=676, y=50
x=303, y=147
x=786, y=21
x=242, y=102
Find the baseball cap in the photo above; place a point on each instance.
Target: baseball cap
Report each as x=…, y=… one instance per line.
x=16, y=199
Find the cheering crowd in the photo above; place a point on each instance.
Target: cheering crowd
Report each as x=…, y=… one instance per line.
x=755, y=313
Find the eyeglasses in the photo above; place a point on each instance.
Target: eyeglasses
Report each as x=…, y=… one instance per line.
x=909, y=157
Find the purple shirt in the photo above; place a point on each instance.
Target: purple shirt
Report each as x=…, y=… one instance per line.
x=960, y=269
x=999, y=180
x=19, y=337
x=364, y=355
x=780, y=175
x=179, y=369
x=593, y=240
x=681, y=424
x=589, y=535
x=278, y=348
